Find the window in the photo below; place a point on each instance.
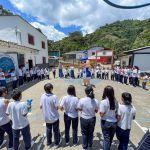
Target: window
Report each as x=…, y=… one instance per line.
x=93, y=53
x=43, y=44
x=30, y=39
x=44, y=60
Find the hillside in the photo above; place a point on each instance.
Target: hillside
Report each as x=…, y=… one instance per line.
x=120, y=36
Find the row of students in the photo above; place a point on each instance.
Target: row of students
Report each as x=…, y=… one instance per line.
x=115, y=118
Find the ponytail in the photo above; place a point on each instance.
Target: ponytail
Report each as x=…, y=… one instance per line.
x=90, y=92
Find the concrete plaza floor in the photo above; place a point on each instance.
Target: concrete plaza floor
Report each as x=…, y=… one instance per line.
x=141, y=100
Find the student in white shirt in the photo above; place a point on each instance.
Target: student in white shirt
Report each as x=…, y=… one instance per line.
x=49, y=105
x=31, y=74
x=88, y=107
x=28, y=75
x=20, y=72
x=69, y=105
x=42, y=73
x=126, y=113
x=18, y=113
x=5, y=124
x=108, y=112
x=38, y=73
x=2, y=78
x=14, y=78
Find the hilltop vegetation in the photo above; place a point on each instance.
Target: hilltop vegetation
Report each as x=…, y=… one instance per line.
x=120, y=36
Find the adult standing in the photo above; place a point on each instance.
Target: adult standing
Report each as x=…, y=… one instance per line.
x=60, y=68
x=108, y=111
x=54, y=72
x=88, y=107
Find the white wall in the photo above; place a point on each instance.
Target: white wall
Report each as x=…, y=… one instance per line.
x=142, y=61
x=8, y=27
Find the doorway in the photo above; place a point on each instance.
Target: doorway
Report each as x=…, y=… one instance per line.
x=30, y=63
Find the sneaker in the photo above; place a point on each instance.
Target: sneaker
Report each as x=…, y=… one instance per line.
x=76, y=143
x=4, y=142
x=67, y=144
x=56, y=146
x=10, y=149
x=49, y=146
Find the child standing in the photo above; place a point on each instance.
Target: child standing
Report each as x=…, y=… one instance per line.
x=18, y=113
x=49, y=105
x=88, y=107
x=5, y=125
x=69, y=105
x=126, y=113
x=108, y=111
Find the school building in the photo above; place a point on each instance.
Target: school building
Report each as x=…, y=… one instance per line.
x=137, y=57
x=21, y=43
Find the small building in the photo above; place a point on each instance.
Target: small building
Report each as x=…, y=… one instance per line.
x=22, y=43
x=74, y=56
x=100, y=55
x=137, y=57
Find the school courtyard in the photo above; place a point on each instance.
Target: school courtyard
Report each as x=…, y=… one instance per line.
x=141, y=100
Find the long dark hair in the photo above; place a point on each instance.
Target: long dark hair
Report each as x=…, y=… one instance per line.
x=89, y=91
x=71, y=90
x=109, y=93
x=127, y=98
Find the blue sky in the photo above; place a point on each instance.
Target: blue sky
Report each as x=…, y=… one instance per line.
x=57, y=18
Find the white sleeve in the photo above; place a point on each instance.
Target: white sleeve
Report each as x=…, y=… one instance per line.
x=62, y=102
x=56, y=103
x=102, y=108
x=8, y=110
x=97, y=104
x=80, y=105
x=76, y=105
x=119, y=111
x=24, y=109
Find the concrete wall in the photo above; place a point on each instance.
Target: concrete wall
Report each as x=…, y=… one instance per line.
x=142, y=61
x=15, y=29
x=124, y=60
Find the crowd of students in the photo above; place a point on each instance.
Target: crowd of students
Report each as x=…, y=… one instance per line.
x=115, y=117
x=23, y=75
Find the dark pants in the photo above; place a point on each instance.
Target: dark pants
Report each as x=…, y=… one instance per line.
x=60, y=73
x=130, y=80
x=25, y=78
x=112, y=77
x=108, y=130
x=121, y=79
x=56, y=131
x=20, y=80
x=26, y=137
x=15, y=84
x=103, y=75
x=116, y=77
x=87, y=130
x=68, y=120
x=3, y=83
x=144, y=85
x=8, y=129
x=134, y=81
x=54, y=74
x=123, y=137
x=125, y=80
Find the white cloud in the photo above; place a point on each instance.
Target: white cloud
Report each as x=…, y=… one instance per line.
x=89, y=14
x=49, y=31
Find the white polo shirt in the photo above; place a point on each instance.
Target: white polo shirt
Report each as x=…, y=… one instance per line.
x=20, y=73
x=127, y=114
x=2, y=76
x=110, y=115
x=49, y=104
x=13, y=76
x=69, y=103
x=17, y=111
x=88, y=107
x=3, y=117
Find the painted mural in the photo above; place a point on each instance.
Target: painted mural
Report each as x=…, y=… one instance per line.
x=7, y=63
